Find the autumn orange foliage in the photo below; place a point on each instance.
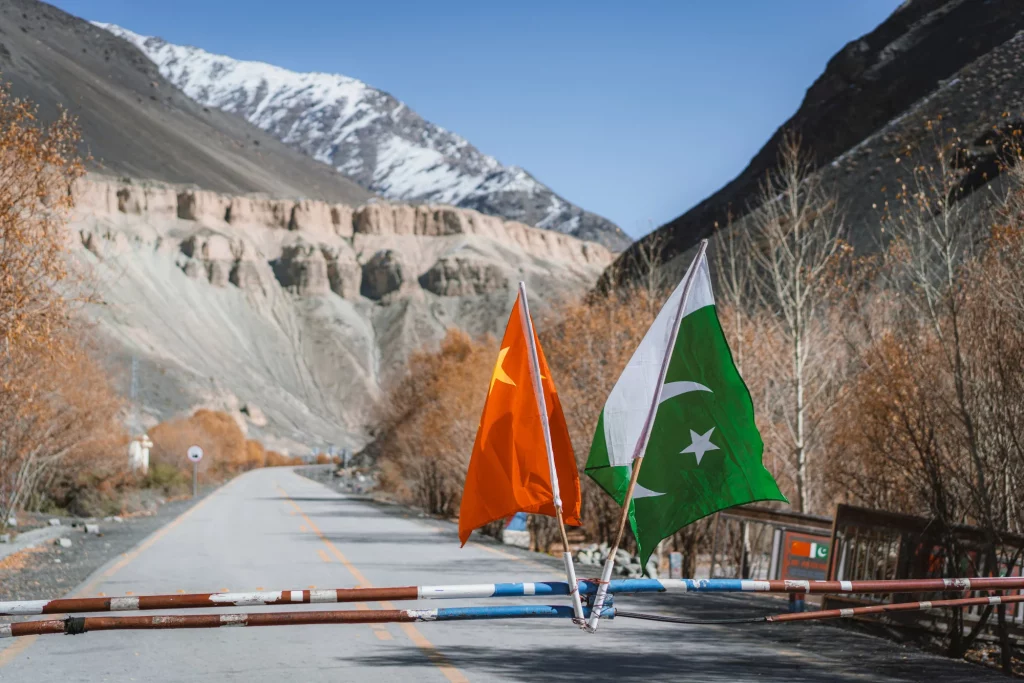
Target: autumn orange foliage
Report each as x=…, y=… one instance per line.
x=431, y=420
x=57, y=409
x=226, y=450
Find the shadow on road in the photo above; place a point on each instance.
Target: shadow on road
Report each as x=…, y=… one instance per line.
x=706, y=657
x=390, y=538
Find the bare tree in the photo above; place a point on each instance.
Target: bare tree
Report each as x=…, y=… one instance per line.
x=734, y=277
x=652, y=275
x=938, y=411
x=934, y=233
x=796, y=238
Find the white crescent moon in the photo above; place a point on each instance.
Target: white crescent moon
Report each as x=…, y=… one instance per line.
x=644, y=492
x=673, y=389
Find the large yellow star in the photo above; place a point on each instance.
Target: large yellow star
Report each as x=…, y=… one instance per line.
x=499, y=372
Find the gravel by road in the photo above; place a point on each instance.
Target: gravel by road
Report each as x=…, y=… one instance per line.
x=49, y=571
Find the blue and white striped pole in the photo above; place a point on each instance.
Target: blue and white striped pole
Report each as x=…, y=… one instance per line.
x=587, y=587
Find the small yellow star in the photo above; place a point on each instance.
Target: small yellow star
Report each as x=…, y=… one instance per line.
x=499, y=372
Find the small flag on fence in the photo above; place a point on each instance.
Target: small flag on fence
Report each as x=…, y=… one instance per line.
x=704, y=450
x=809, y=549
x=508, y=470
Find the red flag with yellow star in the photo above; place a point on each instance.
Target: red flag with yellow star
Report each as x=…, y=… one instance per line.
x=509, y=470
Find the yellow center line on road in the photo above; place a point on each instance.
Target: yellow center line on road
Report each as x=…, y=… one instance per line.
x=8, y=654
x=379, y=630
x=419, y=640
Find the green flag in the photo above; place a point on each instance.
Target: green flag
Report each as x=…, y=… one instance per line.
x=704, y=451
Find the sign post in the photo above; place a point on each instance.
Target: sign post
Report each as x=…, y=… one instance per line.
x=804, y=556
x=195, y=454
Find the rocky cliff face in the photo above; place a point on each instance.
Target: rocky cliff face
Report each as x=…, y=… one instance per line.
x=878, y=82
x=300, y=308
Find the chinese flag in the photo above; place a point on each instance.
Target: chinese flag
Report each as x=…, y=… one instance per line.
x=508, y=471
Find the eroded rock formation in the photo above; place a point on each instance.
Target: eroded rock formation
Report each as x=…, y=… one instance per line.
x=305, y=308
x=329, y=226
x=462, y=276
x=383, y=274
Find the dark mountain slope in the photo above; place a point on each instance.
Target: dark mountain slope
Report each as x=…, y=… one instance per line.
x=136, y=123
x=874, y=80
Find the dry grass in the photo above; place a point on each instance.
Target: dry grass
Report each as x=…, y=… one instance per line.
x=20, y=559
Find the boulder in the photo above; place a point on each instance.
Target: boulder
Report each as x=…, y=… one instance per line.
x=302, y=268
x=463, y=276
x=383, y=274
x=219, y=272
x=652, y=568
x=210, y=257
x=194, y=269
x=245, y=274
x=248, y=271
x=343, y=271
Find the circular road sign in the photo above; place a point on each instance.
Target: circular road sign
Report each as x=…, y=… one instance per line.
x=195, y=453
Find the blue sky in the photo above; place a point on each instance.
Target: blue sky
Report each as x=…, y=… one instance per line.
x=635, y=110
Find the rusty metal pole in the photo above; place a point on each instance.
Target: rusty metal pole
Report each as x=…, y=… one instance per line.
x=77, y=625
x=850, y=612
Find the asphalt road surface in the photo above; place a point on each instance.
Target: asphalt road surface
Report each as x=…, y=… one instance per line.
x=274, y=529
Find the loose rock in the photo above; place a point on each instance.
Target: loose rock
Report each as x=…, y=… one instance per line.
x=383, y=274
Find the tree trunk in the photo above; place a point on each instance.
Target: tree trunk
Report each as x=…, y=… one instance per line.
x=745, y=552
x=799, y=446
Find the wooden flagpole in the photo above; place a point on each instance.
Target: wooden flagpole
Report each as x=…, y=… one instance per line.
x=538, y=390
x=641, y=444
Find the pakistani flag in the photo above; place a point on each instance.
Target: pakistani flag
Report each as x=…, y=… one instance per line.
x=704, y=451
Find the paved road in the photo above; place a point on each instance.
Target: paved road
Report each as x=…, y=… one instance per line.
x=274, y=529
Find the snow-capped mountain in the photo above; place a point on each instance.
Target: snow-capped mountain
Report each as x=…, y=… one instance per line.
x=369, y=136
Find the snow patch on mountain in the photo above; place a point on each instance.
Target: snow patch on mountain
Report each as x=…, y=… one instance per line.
x=369, y=136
